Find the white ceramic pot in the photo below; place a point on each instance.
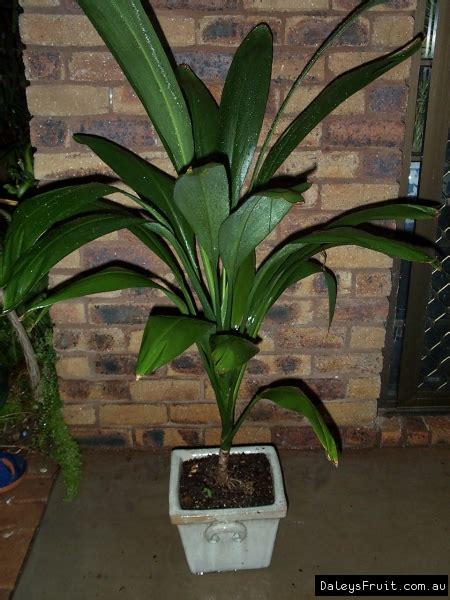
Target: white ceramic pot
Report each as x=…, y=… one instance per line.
x=227, y=539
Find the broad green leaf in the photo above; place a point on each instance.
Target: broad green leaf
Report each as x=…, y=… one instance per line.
x=202, y=196
x=243, y=104
x=292, y=398
x=145, y=179
x=106, y=280
x=36, y=215
x=204, y=113
x=389, y=211
x=131, y=38
x=268, y=289
x=54, y=246
x=331, y=283
x=229, y=352
x=250, y=224
x=167, y=337
x=332, y=96
x=340, y=29
x=242, y=289
x=343, y=236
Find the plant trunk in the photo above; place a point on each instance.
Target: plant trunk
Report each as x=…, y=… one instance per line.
x=28, y=352
x=223, y=477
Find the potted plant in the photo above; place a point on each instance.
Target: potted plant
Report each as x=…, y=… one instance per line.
x=206, y=225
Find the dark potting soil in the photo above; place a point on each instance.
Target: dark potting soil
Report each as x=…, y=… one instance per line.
x=251, y=482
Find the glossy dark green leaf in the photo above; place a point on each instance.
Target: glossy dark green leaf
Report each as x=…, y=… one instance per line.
x=165, y=337
x=343, y=236
x=292, y=398
x=242, y=289
x=243, y=104
x=332, y=96
x=131, y=38
x=204, y=113
x=106, y=280
x=331, y=283
x=202, y=196
x=229, y=352
x=250, y=224
x=36, y=215
x=54, y=246
x=389, y=211
x=145, y=179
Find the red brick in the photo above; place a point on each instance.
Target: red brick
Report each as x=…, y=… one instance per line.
x=168, y=438
x=313, y=30
x=127, y=314
x=387, y=98
x=115, y=365
x=363, y=131
x=416, y=432
x=186, y=365
x=209, y=66
x=348, y=5
x=361, y=363
x=231, y=30
x=382, y=165
x=206, y=5
x=440, y=429
x=390, y=431
x=43, y=65
x=13, y=551
x=21, y=517
x=94, y=66
x=48, y=133
x=359, y=437
x=126, y=132
x=31, y=490
x=295, y=437
x=327, y=389
x=39, y=465
x=349, y=309
x=373, y=284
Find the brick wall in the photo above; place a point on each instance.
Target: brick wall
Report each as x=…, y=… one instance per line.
x=76, y=86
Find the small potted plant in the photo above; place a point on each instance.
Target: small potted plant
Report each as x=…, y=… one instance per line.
x=205, y=225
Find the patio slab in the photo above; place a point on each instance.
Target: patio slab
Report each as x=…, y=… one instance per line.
x=384, y=511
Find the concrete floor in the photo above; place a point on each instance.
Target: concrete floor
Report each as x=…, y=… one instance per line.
x=382, y=512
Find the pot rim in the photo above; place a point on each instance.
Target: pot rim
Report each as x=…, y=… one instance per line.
x=180, y=516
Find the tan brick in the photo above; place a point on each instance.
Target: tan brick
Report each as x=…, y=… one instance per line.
x=286, y=5
x=339, y=62
x=287, y=66
x=97, y=340
x=416, y=431
x=134, y=343
x=125, y=101
x=392, y=31
x=364, y=388
x=367, y=337
x=194, y=413
x=315, y=284
x=168, y=437
x=67, y=99
x=289, y=338
x=246, y=435
x=373, y=284
x=71, y=261
x=68, y=312
x=73, y=367
x=179, y=30
x=61, y=166
x=290, y=312
x=326, y=164
x=345, y=256
x=132, y=414
x=304, y=95
x=162, y=390
x=313, y=30
x=39, y=3
x=230, y=30
x=94, y=66
x=362, y=363
x=356, y=104
x=345, y=196
x=352, y=413
x=58, y=30
x=347, y=5
x=79, y=415
x=295, y=365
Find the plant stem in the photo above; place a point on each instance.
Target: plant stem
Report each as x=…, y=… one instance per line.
x=28, y=352
x=222, y=476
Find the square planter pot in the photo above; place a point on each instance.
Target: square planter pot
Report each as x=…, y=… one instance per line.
x=227, y=539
